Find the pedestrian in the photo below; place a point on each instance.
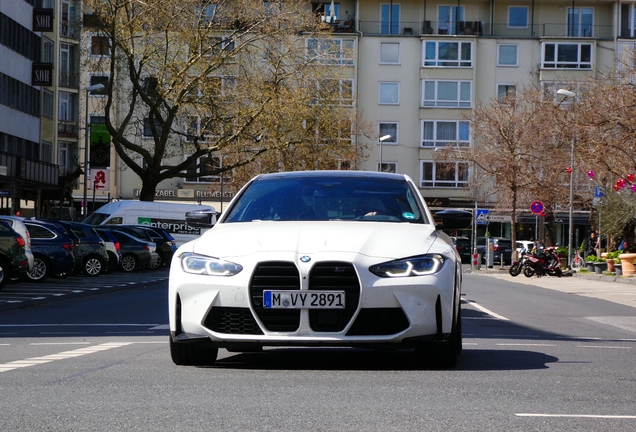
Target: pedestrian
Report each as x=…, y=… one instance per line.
x=591, y=245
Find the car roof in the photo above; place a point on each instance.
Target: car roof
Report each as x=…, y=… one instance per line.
x=332, y=174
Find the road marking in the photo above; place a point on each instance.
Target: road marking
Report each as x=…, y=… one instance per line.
x=61, y=356
x=527, y=344
x=59, y=343
x=487, y=311
x=600, y=346
x=579, y=416
x=78, y=325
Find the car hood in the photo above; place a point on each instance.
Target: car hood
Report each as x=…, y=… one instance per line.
x=377, y=239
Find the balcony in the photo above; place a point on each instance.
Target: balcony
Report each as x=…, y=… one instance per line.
x=67, y=129
x=484, y=29
x=70, y=29
x=22, y=168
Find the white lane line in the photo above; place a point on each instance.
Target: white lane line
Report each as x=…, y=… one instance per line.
x=486, y=311
x=579, y=416
x=80, y=325
x=61, y=356
x=58, y=343
x=601, y=346
x=526, y=344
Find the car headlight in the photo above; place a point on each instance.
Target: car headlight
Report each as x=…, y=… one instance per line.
x=205, y=265
x=415, y=266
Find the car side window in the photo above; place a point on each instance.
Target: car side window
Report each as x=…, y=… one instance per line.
x=39, y=232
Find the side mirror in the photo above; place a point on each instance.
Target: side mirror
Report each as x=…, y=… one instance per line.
x=455, y=219
x=201, y=218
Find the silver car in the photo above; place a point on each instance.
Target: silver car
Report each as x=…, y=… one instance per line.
x=18, y=226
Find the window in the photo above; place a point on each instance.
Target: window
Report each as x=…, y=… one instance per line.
x=388, y=128
x=218, y=45
x=334, y=91
x=147, y=129
x=446, y=94
x=389, y=93
x=389, y=53
x=447, y=18
x=567, y=56
x=99, y=46
x=505, y=89
x=206, y=14
x=47, y=104
x=196, y=172
x=443, y=174
x=202, y=129
x=389, y=18
x=507, y=55
x=517, y=16
x=325, y=12
x=327, y=51
x=98, y=79
x=66, y=111
x=442, y=133
x=46, y=152
x=388, y=167
x=580, y=21
x=448, y=54
x=48, y=51
x=271, y=7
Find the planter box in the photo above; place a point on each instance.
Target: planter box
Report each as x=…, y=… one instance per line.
x=618, y=269
x=600, y=267
x=590, y=267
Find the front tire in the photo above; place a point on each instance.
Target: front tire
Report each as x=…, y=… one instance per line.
x=40, y=270
x=128, y=263
x=515, y=269
x=4, y=273
x=192, y=354
x=92, y=266
x=156, y=265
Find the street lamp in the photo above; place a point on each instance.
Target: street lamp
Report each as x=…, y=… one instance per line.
x=569, y=94
x=86, y=168
x=382, y=139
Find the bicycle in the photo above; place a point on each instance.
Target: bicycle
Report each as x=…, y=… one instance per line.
x=578, y=261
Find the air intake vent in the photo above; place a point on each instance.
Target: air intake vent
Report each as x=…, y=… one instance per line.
x=334, y=276
x=379, y=322
x=230, y=320
x=275, y=275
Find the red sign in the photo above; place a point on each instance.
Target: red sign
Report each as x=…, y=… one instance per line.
x=537, y=207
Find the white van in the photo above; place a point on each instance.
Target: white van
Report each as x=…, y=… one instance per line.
x=169, y=216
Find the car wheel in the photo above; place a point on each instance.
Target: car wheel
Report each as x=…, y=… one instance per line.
x=157, y=265
x=192, y=354
x=441, y=355
x=4, y=276
x=128, y=263
x=93, y=266
x=40, y=270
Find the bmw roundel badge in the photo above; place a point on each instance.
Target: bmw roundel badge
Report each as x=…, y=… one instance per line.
x=305, y=259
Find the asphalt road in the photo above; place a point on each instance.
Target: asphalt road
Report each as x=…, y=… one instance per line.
x=534, y=359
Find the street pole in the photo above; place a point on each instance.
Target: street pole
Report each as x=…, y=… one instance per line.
x=570, y=94
x=382, y=139
x=86, y=148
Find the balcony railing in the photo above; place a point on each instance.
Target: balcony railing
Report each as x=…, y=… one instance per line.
x=70, y=29
x=22, y=168
x=69, y=79
x=67, y=129
x=480, y=28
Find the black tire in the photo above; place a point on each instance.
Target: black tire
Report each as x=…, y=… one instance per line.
x=515, y=269
x=41, y=269
x=92, y=266
x=192, y=354
x=528, y=271
x=158, y=264
x=4, y=273
x=129, y=263
x=442, y=355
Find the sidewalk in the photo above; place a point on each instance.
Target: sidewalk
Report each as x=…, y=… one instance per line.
x=621, y=290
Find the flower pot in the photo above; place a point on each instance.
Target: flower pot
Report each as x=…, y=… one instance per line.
x=599, y=267
x=610, y=265
x=618, y=269
x=627, y=263
x=590, y=267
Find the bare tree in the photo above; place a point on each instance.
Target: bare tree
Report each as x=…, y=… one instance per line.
x=197, y=80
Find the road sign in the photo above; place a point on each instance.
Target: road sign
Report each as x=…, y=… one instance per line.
x=537, y=207
x=482, y=216
x=499, y=218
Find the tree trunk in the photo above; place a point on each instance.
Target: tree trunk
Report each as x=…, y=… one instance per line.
x=148, y=190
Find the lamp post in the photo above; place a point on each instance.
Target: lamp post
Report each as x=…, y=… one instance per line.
x=86, y=168
x=569, y=94
x=382, y=139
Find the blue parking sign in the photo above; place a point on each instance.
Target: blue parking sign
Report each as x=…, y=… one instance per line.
x=482, y=216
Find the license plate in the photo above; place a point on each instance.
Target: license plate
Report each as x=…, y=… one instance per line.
x=304, y=299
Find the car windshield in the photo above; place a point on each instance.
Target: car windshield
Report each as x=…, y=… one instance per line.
x=329, y=197
x=96, y=218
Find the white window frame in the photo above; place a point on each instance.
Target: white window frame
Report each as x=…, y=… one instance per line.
x=394, y=140
x=391, y=23
x=527, y=17
x=444, y=63
x=498, y=95
x=435, y=183
x=383, y=43
x=323, y=54
x=516, y=63
x=435, y=142
x=556, y=64
x=342, y=99
x=578, y=25
x=389, y=167
x=48, y=50
x=203, y=138
x=48, y=104
x=461, y=103
x=385, y=83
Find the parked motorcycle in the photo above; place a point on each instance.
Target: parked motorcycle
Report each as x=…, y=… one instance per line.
x=517, y=266
x=544, y=263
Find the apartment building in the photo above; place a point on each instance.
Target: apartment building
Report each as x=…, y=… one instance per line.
x=418, y=68
x=27, y=173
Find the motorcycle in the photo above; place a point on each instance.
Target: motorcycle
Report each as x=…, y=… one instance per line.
x=545, y=263
x=517, y=266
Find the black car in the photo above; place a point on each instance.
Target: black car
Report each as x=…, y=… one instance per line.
x=54, y=251
x=502, y=248
x=136, y=253
x=464, y=248
x=166, y=245
x=94, y=255
x=13, y=260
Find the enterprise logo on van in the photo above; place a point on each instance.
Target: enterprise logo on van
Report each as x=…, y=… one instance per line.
x=173, y=226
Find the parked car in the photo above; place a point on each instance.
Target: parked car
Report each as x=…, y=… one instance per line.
x=13, y=260
x=113, y=249
x=94, y=257
x=524, y=244
x=17, y=224
x=464, y=248
x=166, y=245
x=502, y=247
x=136, y=253
x=54, y=250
